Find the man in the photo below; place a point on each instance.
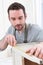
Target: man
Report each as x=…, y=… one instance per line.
x=19, y=32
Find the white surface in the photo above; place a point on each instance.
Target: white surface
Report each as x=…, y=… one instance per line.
x=20, y=50
x=6, y=61
x=6, y=56
x=6, y=53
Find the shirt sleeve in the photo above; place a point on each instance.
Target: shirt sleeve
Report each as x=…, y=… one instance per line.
x=10, y=30
x=38, y=33
x=40, y=36
x=35, y=34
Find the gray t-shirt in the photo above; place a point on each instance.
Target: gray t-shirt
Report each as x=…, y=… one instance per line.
x=35, y=34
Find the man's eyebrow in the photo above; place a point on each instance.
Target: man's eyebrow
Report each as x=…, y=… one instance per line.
x=12, y=17
x=21, y=16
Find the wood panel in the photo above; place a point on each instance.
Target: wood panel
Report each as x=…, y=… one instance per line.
x=28, y=62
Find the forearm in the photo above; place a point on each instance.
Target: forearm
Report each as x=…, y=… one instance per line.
x=3, y=44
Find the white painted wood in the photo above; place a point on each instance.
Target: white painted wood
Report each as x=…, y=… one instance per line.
x=6, y=61
x=19, y=52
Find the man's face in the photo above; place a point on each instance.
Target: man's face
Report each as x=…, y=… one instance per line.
x=17, y=19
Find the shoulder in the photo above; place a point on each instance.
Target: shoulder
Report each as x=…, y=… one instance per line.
x=34, y=27
x=10, y=30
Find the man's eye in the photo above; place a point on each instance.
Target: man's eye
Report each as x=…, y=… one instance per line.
x=20, y=18
x=13, y=18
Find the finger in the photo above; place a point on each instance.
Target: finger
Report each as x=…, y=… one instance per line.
x=27, y=51
x=32, y=51
x=37, y=52
x=8, y=40
x=41, y=54
x=13, y=41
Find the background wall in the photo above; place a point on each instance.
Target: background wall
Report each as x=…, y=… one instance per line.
x=39, y=12
x=42, y=12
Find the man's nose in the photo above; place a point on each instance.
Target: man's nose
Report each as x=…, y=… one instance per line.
x=18, y=22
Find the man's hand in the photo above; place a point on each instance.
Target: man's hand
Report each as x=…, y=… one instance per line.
x=36, y=50
x=10, y=39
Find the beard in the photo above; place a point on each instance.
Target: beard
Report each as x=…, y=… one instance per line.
x=19, y=27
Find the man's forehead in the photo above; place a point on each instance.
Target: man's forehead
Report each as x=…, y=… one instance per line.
x=16, y=11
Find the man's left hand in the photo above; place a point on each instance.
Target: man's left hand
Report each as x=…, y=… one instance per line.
x=36, y=50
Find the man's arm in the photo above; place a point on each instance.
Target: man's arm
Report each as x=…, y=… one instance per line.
x=8, y=39
x=37, y=49
x=3, y=44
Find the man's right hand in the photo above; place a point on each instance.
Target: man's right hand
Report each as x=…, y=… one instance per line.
x=7, y=40
x=10, y=39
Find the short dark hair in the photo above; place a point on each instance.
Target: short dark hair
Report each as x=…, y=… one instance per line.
x=16, y=6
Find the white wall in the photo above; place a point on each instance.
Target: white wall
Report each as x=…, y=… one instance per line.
x=38, y=12
x=4, y=22
x=42, y=12
x=1, y=19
